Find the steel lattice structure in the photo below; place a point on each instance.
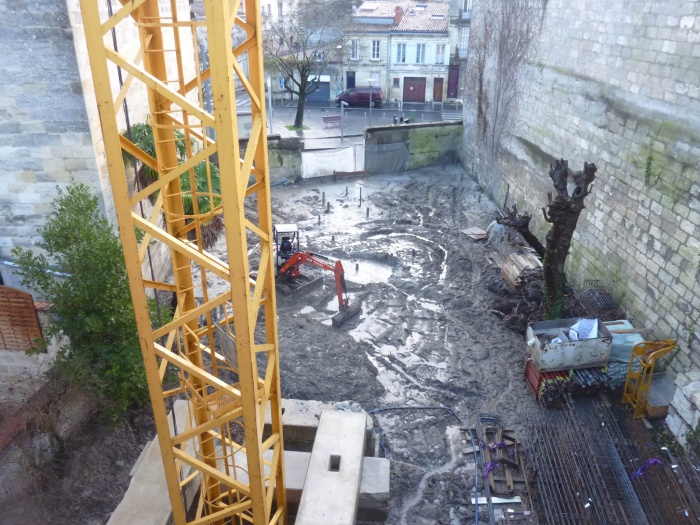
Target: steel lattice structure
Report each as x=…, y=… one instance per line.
x=241, y=475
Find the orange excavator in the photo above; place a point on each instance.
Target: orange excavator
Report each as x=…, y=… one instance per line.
x=290, y=259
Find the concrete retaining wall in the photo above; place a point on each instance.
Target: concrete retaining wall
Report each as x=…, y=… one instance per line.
x=428, y=143
x=617, y=84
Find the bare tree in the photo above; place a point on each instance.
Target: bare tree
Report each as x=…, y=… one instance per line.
x=302, y=44
x=562, y=213
x=503, y=38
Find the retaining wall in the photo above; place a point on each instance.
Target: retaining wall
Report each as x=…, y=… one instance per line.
x=427, y=143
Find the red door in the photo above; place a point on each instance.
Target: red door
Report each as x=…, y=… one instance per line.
x=437, y=90
x=413, y=89
x=453, y=82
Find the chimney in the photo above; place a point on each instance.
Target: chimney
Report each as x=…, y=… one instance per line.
x=398, y=14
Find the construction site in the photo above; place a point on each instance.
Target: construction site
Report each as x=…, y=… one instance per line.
x=376, y=333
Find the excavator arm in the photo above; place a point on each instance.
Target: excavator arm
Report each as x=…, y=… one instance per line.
x=291, y=268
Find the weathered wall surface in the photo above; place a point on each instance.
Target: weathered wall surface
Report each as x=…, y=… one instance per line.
x=427, y=143
x=617, y=83
x=49, y=123
x=44, y=135
x=284, y=157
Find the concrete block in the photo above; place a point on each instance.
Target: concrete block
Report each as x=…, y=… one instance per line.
x=688, y=377
x=691, y=388
x=676, y=425
x=335, y=470
x=300, y=420
x=685, y=408
x=373, y=502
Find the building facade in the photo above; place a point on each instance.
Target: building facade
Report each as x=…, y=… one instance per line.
x=402, y=47
x=460, y=25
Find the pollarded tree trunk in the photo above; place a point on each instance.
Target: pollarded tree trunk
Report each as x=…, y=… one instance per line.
x=562, y=213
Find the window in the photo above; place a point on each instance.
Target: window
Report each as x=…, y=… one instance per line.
x=375, y=49
x=397, y=82
x=420, y=54
x=440, y=54
x=281, y=79
x=401, y=53
x=320, y=55
x=375, y=75
x=279, y=9
x=463, y=42
x=354, y=50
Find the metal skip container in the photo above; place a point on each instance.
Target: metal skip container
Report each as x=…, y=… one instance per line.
x=550, y=356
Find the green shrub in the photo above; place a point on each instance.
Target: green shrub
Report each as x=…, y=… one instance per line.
x=92, y=304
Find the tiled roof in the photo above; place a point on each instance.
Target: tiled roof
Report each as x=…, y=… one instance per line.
x=419, y=17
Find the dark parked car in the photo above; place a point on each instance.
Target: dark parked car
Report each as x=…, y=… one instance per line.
x=359, y=96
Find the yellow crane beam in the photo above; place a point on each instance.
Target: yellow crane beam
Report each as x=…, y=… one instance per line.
x=241, y=476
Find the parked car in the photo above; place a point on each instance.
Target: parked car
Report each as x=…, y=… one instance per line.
x=359, y=96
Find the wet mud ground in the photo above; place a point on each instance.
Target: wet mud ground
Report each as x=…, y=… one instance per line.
x=425, y=336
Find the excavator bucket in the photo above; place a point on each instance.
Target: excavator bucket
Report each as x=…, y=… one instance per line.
x=346, y=313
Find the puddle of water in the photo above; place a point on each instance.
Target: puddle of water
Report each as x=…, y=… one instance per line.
x=368, y=272
x=430, y=305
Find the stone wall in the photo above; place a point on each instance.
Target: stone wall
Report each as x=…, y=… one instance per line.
x=44, y=134
x=427, y=143
x=49, y=123
x=616, y=83
x=284, y=157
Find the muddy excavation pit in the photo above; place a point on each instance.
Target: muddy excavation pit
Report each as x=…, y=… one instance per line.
x=424, y=337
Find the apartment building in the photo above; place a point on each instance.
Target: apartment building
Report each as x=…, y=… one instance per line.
x=403, y=47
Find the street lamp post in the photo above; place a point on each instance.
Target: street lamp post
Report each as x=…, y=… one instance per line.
x=371, y=82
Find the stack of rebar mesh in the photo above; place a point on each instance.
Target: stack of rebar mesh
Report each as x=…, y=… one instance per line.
x=666, y=492
x=607, y=475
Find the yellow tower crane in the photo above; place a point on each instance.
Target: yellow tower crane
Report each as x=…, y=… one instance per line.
x=240, y=475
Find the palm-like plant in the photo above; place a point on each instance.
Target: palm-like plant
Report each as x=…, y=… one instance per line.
x=142, y=136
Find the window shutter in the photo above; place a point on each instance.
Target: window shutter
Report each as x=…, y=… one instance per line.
x=430, y=53
x=447, y=54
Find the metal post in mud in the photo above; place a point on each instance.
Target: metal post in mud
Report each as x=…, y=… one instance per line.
x=319, y=219
x=368, y=212
x=360, y=196
x=328, y=207
x=323, y=198
x=346, y=191
x=357, y=267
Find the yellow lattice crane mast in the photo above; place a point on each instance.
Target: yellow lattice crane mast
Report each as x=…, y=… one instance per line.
x=241, y=476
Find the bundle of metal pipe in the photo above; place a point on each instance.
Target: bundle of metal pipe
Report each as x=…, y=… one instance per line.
x=590, y=381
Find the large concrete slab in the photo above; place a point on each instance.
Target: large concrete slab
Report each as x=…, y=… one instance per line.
x=146, y=500
x=373, y=504
x=331, y=490
x=300, y=420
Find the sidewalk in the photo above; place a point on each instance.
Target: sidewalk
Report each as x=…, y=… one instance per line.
x=356, y=120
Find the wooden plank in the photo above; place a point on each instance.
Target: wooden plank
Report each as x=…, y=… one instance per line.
x=19, y=323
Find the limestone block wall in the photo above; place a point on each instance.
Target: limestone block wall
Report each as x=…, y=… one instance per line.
x=44, y=134
x=618, y=84
x=49, y=124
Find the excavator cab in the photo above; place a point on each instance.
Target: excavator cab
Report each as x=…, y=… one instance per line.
x=286, y=242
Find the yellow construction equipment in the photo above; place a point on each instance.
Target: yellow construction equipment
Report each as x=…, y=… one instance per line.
x=640, y=371
x=221, y=451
